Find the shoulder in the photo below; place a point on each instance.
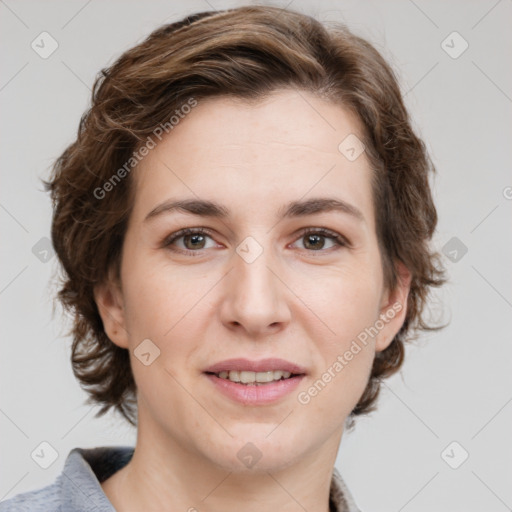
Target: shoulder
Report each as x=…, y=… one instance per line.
x=46, y=499
x=78, y=486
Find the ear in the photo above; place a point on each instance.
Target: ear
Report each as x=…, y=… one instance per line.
x=394, y=308
x=109, y=299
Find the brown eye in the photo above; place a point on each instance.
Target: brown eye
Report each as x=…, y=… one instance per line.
x=316, y=240
x=194, y=241
x=189, y=240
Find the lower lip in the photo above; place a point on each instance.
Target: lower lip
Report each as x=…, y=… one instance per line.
x=249, y=394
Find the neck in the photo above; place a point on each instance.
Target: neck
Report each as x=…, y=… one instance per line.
x=164, y=474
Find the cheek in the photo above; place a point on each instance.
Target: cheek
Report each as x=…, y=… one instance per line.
x=344, y=362
x=346, y=301
x=347, y=307
x=172, y=310
x=159, y=298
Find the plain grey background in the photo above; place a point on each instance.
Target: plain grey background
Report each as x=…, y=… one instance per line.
x=455, y=385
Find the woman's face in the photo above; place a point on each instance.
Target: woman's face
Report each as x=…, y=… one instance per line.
x=260, y=283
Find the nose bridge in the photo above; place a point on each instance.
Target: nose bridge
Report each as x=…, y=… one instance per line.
x=255, y=297
x=252, y=273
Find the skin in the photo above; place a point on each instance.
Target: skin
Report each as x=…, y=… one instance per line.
x=299, y=303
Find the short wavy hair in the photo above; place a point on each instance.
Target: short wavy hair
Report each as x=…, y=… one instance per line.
x=248, y=53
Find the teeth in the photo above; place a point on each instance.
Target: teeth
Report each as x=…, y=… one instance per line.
x=254, y=377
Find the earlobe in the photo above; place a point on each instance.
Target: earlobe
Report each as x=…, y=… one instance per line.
x=394, y=308
x=109, y=301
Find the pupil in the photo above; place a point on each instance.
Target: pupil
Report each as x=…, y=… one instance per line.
x=194, y=239
x=315, y=238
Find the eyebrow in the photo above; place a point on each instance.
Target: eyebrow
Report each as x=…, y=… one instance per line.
x=204, y=208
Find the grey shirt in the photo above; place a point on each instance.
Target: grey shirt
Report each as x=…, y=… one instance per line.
x=78, y=489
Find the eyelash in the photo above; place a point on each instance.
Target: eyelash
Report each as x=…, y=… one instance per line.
x=340, y=240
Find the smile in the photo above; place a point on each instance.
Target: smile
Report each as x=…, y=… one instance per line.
x=250, y=382
x=254, y=378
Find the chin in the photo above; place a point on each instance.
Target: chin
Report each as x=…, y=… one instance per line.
x=257, y=450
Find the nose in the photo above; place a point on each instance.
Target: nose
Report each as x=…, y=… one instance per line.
x=255, y=296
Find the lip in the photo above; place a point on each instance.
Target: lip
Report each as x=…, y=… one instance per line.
x=262, y=365
x=249, y=394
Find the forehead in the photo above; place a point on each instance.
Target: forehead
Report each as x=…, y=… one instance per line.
x=256, y=154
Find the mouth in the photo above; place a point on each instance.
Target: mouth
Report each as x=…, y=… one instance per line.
x=255, y=382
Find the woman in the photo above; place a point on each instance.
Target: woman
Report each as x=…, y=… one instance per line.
x=244, y=223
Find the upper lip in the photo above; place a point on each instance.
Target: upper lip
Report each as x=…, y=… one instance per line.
x=262, y=365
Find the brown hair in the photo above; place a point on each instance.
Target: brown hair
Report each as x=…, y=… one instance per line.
x=247, y=53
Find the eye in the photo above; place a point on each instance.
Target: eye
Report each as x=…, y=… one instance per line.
x=315, y=239
x=189, y=240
